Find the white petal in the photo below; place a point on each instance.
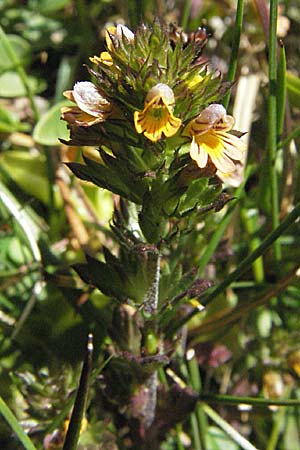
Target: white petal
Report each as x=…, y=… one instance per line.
x=233, y=146
x=223, y=163
x=122, y=30
x=198, y=154
x=88, y=98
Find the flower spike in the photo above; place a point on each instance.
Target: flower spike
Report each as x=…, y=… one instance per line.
x=157, y=117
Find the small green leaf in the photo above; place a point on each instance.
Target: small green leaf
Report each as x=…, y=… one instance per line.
x=11, y=85
x=102, y=276
x=50, y=128
x=107, y=178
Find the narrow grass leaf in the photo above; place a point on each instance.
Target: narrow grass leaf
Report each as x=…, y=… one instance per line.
x=281, y=89
x=14, y=425
x=229, y=430
x=253, y=401
x=77, y=416
x=272, y=127
x=235, y=47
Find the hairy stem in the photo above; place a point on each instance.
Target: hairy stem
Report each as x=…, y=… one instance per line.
x=150, y=308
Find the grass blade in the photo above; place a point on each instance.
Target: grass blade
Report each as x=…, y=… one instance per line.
x=235, y=47
x=281, y=89
x=272, y=127
x=80, y=401
x=14, y=425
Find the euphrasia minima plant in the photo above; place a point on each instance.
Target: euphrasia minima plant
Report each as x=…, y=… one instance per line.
x=154, y=110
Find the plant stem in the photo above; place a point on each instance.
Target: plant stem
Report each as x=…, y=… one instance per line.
x=254, y=401
x=272, y=121
x=153, y=271
x=235, y=47
x=150, y=308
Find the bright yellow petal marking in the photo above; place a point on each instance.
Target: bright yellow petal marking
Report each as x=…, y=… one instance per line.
x=156, y=120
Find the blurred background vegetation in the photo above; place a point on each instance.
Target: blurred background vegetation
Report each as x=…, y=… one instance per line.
x=48, y=219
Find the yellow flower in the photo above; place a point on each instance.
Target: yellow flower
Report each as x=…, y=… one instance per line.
x=112, y=35
x=157, y=117
x=104, y=58
x=211, y=140
x=91, y=107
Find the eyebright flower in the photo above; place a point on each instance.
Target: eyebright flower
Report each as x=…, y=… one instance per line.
x=91, y=107
x=112, y=34
x=157, y=117
x=211, y=140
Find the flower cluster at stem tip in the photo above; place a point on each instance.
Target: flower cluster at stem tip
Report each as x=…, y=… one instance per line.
x=155, y=84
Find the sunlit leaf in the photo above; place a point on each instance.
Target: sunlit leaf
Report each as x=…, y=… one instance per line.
x=29, y=172
x=50, y=128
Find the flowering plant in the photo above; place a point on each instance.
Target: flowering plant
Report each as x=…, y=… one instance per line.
x=165, y=145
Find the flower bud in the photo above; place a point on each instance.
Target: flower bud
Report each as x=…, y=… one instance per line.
x=273, y=386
